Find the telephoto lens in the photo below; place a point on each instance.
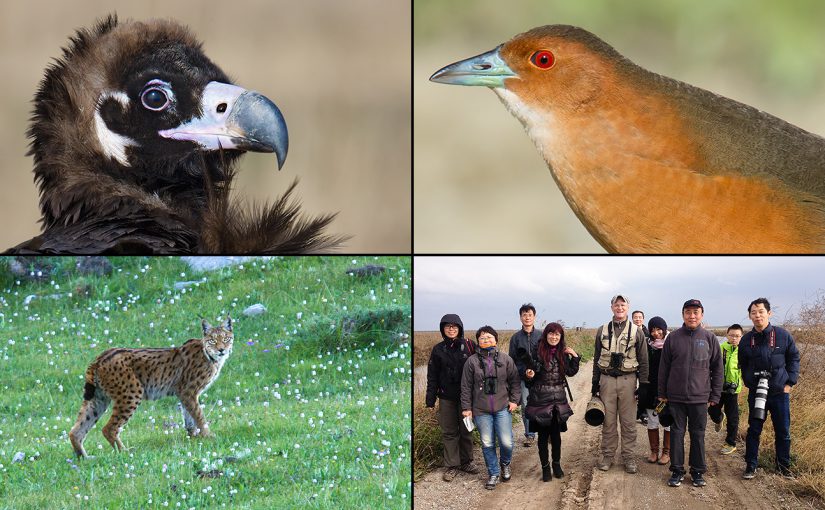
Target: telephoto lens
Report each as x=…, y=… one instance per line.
x=761, y=396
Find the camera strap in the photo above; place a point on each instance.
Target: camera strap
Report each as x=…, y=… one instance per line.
x=771, y=339
x=610, y=336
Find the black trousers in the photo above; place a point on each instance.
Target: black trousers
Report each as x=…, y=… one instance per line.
x=730, y=403
x=553, y=433
x=694, y=418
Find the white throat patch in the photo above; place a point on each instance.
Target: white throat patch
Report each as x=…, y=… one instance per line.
x=539, y=126
x=113, y=144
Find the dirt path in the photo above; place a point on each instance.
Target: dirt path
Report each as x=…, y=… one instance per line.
x=586, y=488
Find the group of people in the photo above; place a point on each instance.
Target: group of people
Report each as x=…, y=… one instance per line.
x=677, y=378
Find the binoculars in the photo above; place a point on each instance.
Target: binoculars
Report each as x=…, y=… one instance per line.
x=490, y=385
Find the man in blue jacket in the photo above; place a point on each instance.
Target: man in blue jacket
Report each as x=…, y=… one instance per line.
x=768, y=348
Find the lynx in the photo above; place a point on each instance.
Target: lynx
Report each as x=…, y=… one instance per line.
x=128, y=376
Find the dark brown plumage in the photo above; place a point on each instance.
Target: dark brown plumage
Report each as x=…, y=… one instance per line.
x=135, y=134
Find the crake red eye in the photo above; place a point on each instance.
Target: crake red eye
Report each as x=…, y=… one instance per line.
x=543, y=59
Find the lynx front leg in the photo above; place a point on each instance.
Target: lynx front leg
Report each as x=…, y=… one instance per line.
x=90, y=413
x=192, y=410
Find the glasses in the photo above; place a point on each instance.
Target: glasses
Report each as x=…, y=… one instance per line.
x=486, y=339
x=450, y=326
x=556, y=335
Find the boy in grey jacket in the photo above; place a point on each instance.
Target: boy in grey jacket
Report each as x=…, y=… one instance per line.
x=490, y=392
x=690, y=381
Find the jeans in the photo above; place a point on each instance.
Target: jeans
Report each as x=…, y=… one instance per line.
x=491, y=427
x=694, y=418
x=779, y=407
x=524, y=393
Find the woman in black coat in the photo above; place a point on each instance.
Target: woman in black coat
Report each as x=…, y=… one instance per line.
x=547, y=405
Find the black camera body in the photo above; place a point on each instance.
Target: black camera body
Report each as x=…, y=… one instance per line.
x=730, y=387
x=490, y=385
x=616, y=359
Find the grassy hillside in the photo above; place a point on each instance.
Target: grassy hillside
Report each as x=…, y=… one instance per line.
x=311, y=410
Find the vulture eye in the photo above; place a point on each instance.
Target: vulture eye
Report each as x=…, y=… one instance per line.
x=154, y=99
x=543, y=59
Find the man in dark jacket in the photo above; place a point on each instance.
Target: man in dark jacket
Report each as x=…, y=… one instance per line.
x=525, y=342
x=444, y=381
x=770, y=349
x=690, y=381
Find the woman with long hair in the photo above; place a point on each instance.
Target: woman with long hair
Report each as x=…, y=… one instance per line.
x=547, y=405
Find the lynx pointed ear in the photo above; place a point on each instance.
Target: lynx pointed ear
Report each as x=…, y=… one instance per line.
x=205, y=325
x=228, y=324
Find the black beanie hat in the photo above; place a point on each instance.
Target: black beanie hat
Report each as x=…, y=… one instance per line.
x=657, y=322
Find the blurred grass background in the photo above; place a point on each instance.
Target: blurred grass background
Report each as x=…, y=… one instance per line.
x=333, y=68
x=480, y=184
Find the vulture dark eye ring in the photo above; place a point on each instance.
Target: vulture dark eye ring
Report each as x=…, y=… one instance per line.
x=543, y=59
x=154, y=99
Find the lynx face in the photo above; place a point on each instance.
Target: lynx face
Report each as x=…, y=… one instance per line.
x=217, y=342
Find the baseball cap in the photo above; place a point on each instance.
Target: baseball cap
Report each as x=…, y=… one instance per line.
x=693, y=303
x=619, y=296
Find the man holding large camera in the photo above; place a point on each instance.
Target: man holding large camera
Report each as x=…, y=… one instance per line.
x=769, y=361
x=620, y=361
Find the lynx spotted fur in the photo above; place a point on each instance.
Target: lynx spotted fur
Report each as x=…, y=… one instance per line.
x=128, y=376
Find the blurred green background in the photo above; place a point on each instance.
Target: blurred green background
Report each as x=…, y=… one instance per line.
x=331, y=67
x=481, y=186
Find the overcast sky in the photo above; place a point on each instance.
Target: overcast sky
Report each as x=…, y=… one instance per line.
x=489, y=290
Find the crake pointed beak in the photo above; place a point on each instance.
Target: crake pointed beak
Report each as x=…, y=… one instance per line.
x=235, y=118
x=487, y=70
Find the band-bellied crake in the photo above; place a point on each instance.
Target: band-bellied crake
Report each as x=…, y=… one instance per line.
x=718, y=175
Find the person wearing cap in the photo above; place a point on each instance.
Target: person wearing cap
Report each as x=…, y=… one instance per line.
x=690, y=381
x=444, y=382
x=647, y=392
x=522, y=345
x=768, y=348
x=620, y=361
x=490, y=392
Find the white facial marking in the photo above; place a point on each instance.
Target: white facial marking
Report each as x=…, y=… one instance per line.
x=113, y=144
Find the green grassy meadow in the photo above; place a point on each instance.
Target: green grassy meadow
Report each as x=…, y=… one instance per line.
x=311, y=410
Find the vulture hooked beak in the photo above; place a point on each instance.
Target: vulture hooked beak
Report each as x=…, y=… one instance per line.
x=235, y=118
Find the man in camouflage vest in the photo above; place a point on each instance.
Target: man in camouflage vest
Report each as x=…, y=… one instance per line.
x=620, y=362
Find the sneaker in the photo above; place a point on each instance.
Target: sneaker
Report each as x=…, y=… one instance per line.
x=505, y=473
x=605, y=463
x=676, y=479
x=630, y=467
x=698, y=480
x=749, y=474
x=529, y=441
x=717, y=426
x=491, y=482
x=785, y=473
x=727, y=449
x=449, y=474
x=469, y=467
